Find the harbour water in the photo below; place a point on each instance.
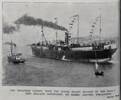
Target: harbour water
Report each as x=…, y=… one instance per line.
x=50, y=72
x=56, y=73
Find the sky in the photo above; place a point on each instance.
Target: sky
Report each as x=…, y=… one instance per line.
x=63, y=11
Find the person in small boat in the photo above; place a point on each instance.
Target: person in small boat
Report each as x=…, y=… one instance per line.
x=97, y=71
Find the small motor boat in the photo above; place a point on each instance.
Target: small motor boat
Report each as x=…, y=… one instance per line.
x=16, y=58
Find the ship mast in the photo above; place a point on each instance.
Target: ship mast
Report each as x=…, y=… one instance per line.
x=43, y=36
x=56, y=22
x=77, y=29
x=11, y=48
x=100, y=30
x=100, y=20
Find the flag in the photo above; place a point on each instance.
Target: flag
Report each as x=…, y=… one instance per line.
x=93, y=25
x=76, y=15
x=70, y=24
x=91, y=32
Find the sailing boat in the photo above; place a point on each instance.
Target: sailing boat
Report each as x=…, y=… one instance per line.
x=94, y=51
x=14, y=57
x=97, y=71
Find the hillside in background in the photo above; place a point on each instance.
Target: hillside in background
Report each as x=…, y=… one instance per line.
x=87, y=39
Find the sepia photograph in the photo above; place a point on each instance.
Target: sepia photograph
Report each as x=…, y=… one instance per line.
x=52, y=44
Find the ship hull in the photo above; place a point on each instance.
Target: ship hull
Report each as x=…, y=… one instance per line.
x=103, y=55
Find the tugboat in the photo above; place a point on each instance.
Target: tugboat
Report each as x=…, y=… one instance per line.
x=15, y=58
x=93, y=51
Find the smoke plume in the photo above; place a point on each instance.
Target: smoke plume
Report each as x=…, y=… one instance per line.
x=8, y=29
x=28, y=20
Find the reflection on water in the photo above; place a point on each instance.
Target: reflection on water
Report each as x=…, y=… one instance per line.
x=49, y=72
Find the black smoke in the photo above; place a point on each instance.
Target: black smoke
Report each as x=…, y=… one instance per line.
x=28, y=20
x=8, y=29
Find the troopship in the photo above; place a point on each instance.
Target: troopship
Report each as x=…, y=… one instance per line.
x=96, y=50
